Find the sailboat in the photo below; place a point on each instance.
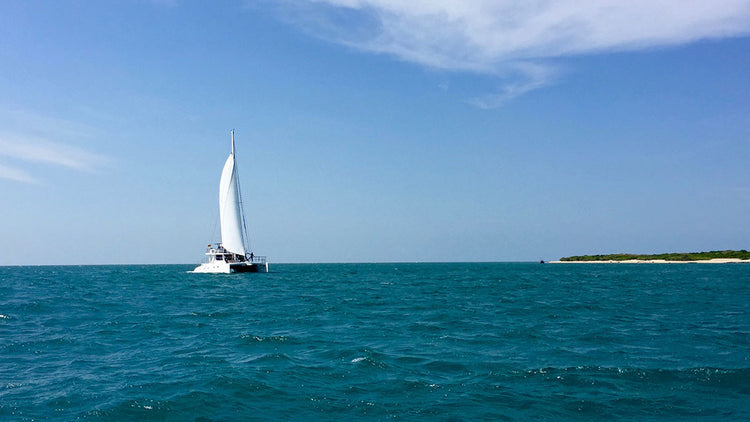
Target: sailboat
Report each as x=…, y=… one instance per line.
x=231, y=254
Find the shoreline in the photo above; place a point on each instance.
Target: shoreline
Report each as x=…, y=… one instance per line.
x=658, y=261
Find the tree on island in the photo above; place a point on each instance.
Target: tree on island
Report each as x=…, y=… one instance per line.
x=690, y=256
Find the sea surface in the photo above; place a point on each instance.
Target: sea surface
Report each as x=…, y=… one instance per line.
x=430, y=342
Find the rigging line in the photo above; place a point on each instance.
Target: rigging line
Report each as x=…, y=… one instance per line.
x=216, y=223
x=245, y=236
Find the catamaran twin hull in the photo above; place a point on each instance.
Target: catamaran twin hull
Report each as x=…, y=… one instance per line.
x=227, y=268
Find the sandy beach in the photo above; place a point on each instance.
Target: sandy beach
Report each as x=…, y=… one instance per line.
x=658, y=261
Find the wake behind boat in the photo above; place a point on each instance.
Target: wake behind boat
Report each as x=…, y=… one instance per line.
x=230, y=255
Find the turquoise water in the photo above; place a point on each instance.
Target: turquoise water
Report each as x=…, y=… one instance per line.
x=376, y=342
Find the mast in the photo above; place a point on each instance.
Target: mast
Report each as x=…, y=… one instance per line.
x=232, y=142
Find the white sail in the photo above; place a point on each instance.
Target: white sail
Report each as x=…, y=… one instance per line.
x=230, y=212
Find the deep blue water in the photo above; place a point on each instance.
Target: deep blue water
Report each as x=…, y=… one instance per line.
x=377, y=342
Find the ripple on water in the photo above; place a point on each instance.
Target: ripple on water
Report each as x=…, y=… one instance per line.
x=376, y=342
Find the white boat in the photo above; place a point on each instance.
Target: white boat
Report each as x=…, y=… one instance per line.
x=231, y=254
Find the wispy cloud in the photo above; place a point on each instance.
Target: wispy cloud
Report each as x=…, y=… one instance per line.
x=493, y=36
x=16, y=175
x=32, y=141
x=45, y=126
x=529, y=76
x=42, y=151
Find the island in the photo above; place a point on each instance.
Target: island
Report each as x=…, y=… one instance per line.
x=712, y=257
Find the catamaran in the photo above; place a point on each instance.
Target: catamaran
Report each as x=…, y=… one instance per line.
x=231, y=254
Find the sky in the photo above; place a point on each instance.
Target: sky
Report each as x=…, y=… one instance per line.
x=374, y=130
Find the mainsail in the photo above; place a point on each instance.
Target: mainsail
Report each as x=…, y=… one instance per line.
x=230, y=208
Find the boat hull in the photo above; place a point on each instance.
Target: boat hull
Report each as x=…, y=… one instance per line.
x=249, y=268
x=219, y=267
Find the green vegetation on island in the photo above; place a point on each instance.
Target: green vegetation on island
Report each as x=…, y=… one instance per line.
x=690, y=256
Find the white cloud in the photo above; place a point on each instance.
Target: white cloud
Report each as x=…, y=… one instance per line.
x=15, y=174
x=41, y=151
x=24, y=151
x=489, y=36
x=479, y=34
x=31, y=140
x=45, y=126
x=529, y=77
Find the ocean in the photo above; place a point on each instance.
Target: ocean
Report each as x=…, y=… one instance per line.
x=411, y=341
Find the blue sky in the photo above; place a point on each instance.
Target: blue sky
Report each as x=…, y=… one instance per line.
x=369, y=130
